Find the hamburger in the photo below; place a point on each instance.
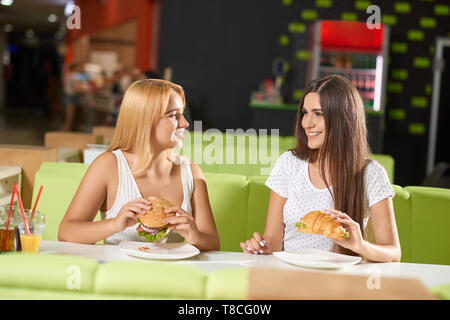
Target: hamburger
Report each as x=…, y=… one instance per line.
x=318, y=222
x=151, y=225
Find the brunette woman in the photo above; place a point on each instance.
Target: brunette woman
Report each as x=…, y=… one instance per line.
x=139, y=163
x=330, y=169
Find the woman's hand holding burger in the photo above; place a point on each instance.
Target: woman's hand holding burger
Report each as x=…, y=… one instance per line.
x=127, y=214
x=183, y=223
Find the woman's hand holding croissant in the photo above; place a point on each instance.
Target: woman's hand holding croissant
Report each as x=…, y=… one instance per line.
x=355, y=240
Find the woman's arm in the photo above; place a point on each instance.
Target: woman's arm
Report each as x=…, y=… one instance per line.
x=77, y=225
x=274, y=223
x=274, y=231
x=387, y=247
x=207, y=237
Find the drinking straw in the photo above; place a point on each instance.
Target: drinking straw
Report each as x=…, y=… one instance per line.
x=9, y=216
x=27, y=230
x=35, y=203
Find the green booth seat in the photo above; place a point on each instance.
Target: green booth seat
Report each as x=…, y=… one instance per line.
x=441, y=291
x=258, y=202
x=228, y=195
x=403, y=218
x=228, y=284
x=430, y=225
x=60, y=181
x=286, y=143
x=239, y=205
x=150, y=279
x=52, y=270
x=65, y=277
x=387, y=162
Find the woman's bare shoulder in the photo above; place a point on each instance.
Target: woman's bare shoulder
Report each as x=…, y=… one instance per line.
x=105, y=158
x=197, y=173
x=105, y=163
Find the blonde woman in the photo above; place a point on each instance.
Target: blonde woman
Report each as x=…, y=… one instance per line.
x=139, y=163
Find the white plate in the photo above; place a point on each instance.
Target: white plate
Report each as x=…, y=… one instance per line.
x=159, y=251
x=313, y=258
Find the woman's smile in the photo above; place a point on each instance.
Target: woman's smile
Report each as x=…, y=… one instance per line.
x=313, y=134
x=178, y=134
x=313, y=121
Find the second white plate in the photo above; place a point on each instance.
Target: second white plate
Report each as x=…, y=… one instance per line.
x=313, y=258
x=159, y=251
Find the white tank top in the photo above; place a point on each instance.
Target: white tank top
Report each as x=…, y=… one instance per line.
x=127, y=190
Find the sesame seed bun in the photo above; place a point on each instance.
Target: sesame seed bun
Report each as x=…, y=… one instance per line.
x=154, y=217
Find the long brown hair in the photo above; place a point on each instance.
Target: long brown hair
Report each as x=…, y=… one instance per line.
x=345, y=148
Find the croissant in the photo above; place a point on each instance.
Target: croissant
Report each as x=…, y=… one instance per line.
x=318, y=222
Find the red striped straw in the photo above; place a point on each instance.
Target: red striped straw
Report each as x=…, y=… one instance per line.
x=25, y=223
x=9, y=216
x=35, y=203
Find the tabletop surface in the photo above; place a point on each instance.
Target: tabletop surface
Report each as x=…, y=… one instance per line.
x=429, y=274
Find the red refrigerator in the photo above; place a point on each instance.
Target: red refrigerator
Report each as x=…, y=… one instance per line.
x=360, y=54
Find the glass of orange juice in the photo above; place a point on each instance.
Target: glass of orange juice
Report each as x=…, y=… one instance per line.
x=32, y=242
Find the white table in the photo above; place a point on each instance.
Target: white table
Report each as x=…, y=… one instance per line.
x=429, y=274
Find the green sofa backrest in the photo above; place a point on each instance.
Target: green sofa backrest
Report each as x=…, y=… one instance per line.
x=430, y=228
x=228, y=195
x=60, y=181
x=403, y=218
x=210, y=152
x=258, y=202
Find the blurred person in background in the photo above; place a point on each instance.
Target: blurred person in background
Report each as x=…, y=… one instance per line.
x=53, y=91
x=115, y=83
x=125, y=79
x=167, y=74
x=117, y=94
x=137, y=75
x=70, y=88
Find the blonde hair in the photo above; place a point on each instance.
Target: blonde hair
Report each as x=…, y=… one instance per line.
x=143, y=105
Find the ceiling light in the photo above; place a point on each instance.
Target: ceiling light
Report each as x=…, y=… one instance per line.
x=68, y=9
x=8, y=27
x=58, y=35
x=6, y=2
x=52, y=18
x=29, y=33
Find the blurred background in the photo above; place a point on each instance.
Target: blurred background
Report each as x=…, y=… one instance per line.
x=243, y=64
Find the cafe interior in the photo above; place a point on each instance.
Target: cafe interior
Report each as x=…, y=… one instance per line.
x=244, y=66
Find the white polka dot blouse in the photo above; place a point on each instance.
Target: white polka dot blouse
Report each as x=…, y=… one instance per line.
x=290, y=179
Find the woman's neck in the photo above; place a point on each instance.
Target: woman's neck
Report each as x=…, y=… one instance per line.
x=316, y=164
x=158, y=165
